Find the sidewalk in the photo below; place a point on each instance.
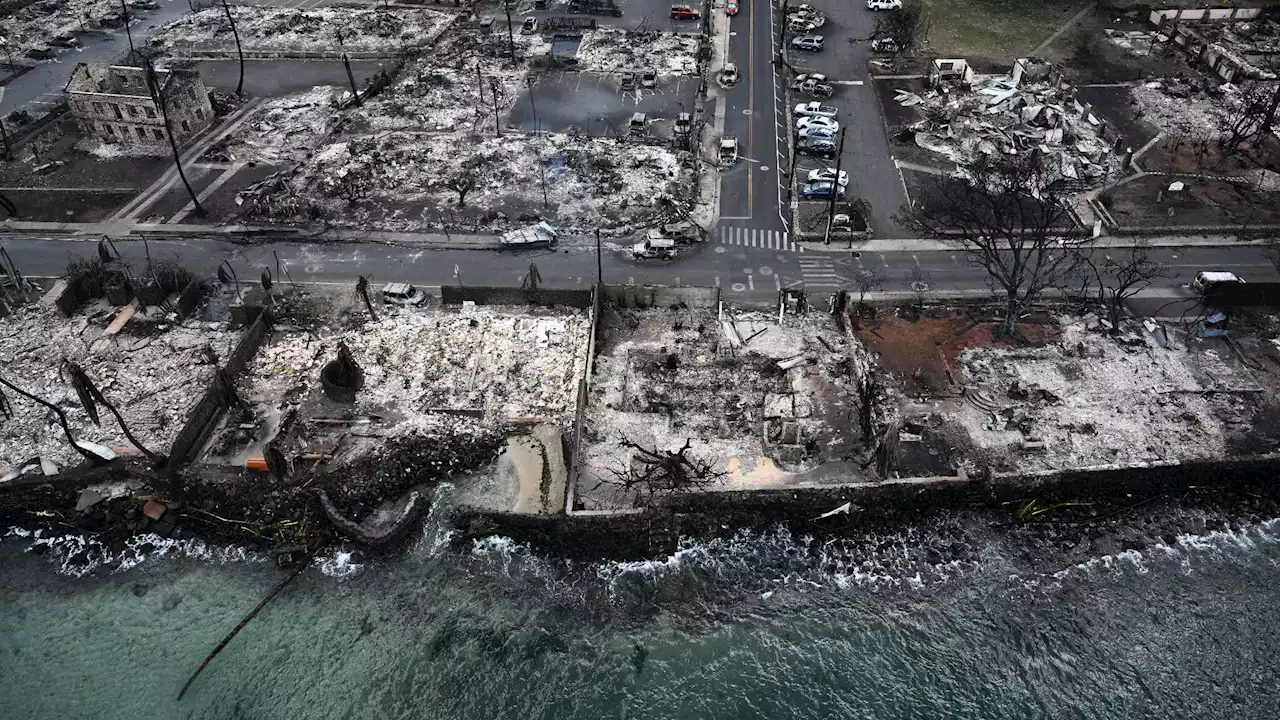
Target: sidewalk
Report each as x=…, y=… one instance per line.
x=841, y=245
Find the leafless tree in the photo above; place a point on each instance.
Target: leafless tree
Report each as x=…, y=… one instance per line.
x=239, y=51
x=463, y=182
x=1247, y=114
x=159, y=95
x=1008, y=219
x=653, y=471
x=62, y=418
x=908, y=26
x=1121, y=275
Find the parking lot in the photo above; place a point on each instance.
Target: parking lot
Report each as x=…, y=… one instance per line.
x=873, y=176
x=592, y=102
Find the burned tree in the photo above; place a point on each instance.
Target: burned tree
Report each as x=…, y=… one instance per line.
x=90, y=396
x=652, y=471
x=62, y=419
x=1008, y=218
x=463, y=182
x=362, y=290
x=1248, y=112
x=239, y=51
x=156, y=87
x=907, y=27
x=1122, y=275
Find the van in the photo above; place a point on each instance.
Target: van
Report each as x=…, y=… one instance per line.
x=1205, y=281
x=660, y=248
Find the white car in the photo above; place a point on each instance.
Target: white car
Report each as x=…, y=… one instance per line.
x=817, y=121
x=817, y=133
x=884, y=4
x=816, y=109
x=826, y=175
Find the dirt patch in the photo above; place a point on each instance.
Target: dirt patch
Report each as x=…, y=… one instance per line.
x=995, y=29
x=922, y=353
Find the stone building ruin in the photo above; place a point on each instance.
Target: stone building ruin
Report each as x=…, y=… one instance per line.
x=112, y=103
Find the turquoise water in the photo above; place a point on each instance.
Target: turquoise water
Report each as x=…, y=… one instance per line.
x=744, y=628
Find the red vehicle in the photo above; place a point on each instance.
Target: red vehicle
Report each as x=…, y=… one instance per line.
x=684, y=12
x=731, y=8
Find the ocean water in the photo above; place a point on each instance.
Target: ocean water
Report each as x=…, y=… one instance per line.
x=755, y=626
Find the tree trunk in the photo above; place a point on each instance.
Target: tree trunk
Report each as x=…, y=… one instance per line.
x=239, y=51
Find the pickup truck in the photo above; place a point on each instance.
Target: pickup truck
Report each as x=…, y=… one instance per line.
x=660, y=249
x=532, y=236
x=816, y=109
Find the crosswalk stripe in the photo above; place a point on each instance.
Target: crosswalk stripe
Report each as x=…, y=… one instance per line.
x=757, y=238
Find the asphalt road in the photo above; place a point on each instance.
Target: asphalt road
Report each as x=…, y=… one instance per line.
x=749, y=190
x=745, y=274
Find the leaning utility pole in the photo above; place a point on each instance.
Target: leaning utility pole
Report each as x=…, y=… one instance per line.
x=351, y=78
x=599, y=266
x=124, y=7
x=835, y=190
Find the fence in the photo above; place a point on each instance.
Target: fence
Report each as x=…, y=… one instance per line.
x=650, y=296
x=544, y=297
x=1206, y=14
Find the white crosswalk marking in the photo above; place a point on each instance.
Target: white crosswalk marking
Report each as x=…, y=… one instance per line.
x=819, y=273
x=751, y=237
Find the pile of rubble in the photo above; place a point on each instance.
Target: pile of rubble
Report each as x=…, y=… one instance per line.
x=500, y=363
x=736, y=391
x=589, y=182
x=454, y=87
x=1009, y=114
x=1180, y=107
x=148, y=370
x=45, y=21
x=264, y=28
x=284, y=129
x=1090, y=400
x=612, y=50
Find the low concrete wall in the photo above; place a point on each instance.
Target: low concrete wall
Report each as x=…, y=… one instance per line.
x=546, y=297
x=649, y=296
x=204, y=417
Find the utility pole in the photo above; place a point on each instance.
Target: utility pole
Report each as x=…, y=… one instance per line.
x=351, y=78
x=528, y=81
x=511, y=35
x=4, y=133
x=124, y=7
x=791, y=174
x=542, y=169
x=479, y=91
x=835, y=191
x=497, y=120
x=599, y=265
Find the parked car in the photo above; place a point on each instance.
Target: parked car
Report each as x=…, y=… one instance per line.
x=661, y=249
x=638, y=125
x=684, y=123
x=807, y=43
x=111, y=20
x=681, y=232
x=729, y=74
x=728, y=151
x=649, y=79
x=402, y=294
x=143, y=4
x=816, y=109
x=827, y=175
x=65, y=40
x=805, y=25
x=884, y=4
x=731, y=8
x=530, y=26
x=41, y=52
x=817, y=133
x=816, y=147
x=1206, y=280
x=628, y=81
x=486, y=26
x=684, y=12
x=817, y=122
x=821, y=190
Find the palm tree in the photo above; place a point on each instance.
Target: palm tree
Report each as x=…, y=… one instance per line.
x=7, y=410
x=157, y=90
x=90, y=396
x=239, y=51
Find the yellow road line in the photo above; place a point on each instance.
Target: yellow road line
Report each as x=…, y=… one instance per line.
x=751, y=94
